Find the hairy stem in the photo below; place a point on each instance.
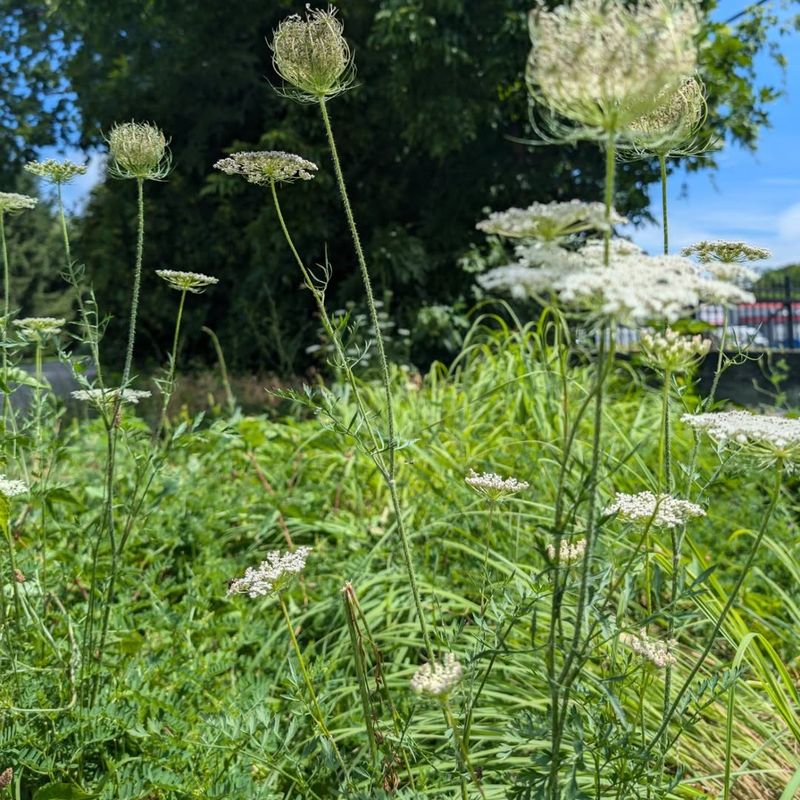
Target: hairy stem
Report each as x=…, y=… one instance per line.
x=169, y=386
x=662, y=161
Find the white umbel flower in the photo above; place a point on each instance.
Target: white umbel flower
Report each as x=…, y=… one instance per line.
x=657, y=652
x=603, y=63
x=549, y=222
x=106, y=397
x=263, y=167
x=494, y=487
x=194, y=282
x=660, y=511
x=768, y=438
x=271, y=575
x=11, y=488
x=569, y=551
x=37, y=328
x=56, y=172
x=13, y=203
x=438, y=678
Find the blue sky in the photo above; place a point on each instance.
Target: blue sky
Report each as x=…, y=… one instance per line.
x=751, y=196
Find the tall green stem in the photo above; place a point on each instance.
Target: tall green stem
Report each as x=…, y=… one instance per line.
x=6, y=293
x=316, y=710
x=390, y=446
x=170, y=383
x=137, y=282
x=662, y=160
x=88, y=329
x=726, y=609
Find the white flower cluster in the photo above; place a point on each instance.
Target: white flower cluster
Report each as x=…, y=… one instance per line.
x=272, y=575
x=264, y=167
x=11, y=488
x=39, y=327
x=669, y=351
x=603, y=63
x=57, y=172
x=101, y=397
x=725, y=252
x=634, y=288
x=437, y=678
x=767, y=437
x=661, y=511
x=493, y=486
x=569, y=551
x=12, y=203
x=193, y=282
x=658, y=653
x=549, y=222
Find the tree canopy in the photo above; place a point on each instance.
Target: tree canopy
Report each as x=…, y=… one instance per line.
x=431, y=135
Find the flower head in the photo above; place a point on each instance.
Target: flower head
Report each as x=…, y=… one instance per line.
x=671, y=352
x=660, y=511
x=569, y=552
x=272, y=165
x=658, y=653
x=11, y=488
x=603, y=63
x=492, y=486
x=138, y=150
x=194, y=282
x=12, y=203
x=272, y=575
x=104, y=398
x=437, y=678
x=631, y=288
x=312, y=55
x=58, y=172
x=549, y=222
x=767, y=438
x=672, y=127
x=725, y=252
x=37, y=328
x=6, y=776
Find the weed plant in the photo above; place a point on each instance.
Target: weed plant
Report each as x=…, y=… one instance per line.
x=542, y=571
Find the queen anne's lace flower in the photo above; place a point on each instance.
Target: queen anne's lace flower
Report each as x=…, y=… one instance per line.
x=12, y=203
x=439, y=678
x=658, y=653
x=632, y=288
x=549, y=222
x=767, y=438
x=272, y=575
x=493, y=486
x=604, y=63
x=39, y=327
x=193, y=282
x=312, y=55
x=138, y=150
x=11, y=488
x=271, y=165
x=569, y=551
x=671, y=352
x=58, y=172
x=725, y=252
x=660, y=511
x=671, y=128
x=107, y=397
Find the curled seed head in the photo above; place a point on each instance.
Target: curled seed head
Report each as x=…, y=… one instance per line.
x=138, y=150
x=312, y=55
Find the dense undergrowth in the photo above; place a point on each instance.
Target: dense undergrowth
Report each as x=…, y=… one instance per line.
x=205, y=701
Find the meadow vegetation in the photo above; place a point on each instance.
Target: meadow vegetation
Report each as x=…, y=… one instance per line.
x=547, y=569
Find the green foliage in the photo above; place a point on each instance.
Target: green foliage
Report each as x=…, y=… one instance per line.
x=427, y=136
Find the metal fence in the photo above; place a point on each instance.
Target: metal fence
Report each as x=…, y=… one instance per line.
x=771, y=323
